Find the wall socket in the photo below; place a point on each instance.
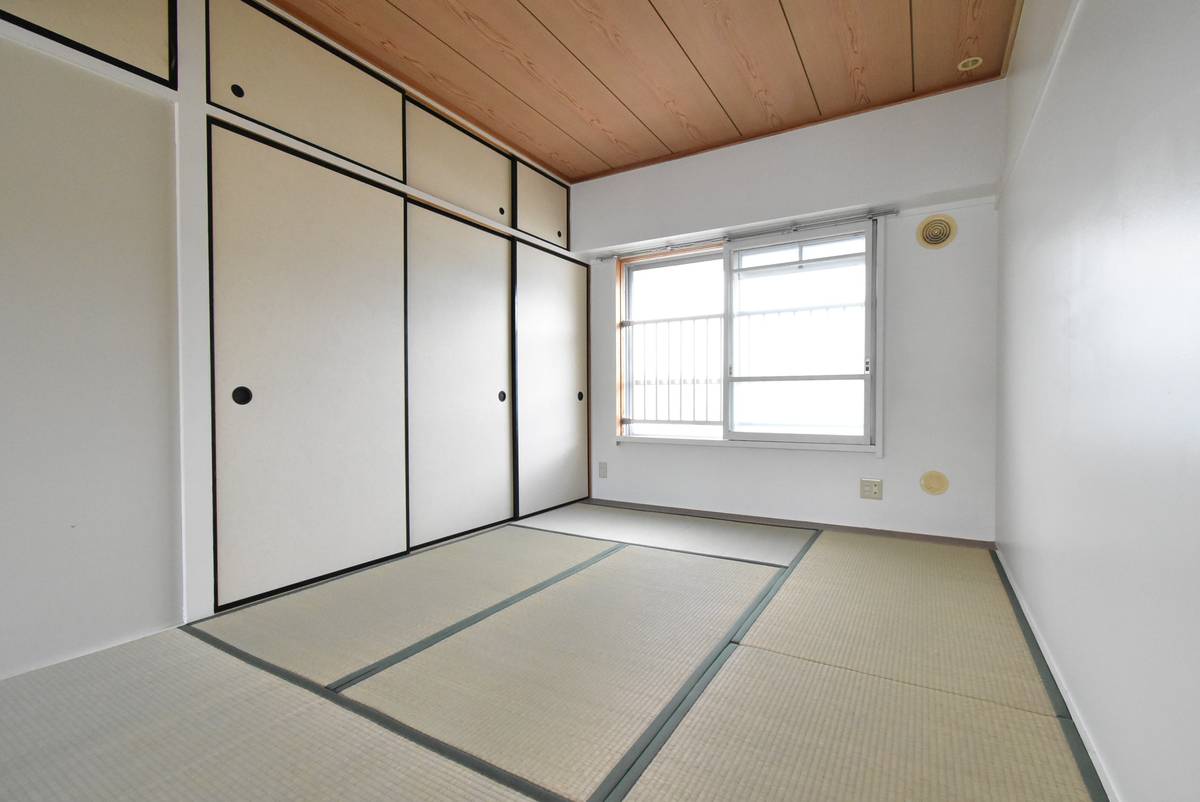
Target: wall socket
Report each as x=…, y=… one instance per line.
x=603, y=470
x=870, y=488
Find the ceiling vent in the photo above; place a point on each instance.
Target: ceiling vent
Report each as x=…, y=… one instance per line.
x=937, y=231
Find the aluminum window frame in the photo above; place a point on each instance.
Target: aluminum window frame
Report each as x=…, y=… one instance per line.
x=872, y=377
x=733, y=252
x=625, y=323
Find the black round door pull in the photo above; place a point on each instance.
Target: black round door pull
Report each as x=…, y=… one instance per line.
x=237, y=90
x=501, y=210
x=502, y=395
x=242, y=395
x=579, y=395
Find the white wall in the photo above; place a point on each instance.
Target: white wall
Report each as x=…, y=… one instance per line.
x=950, y=146
x=105, y=406
x=939, y=400
x=1100, y=383
x=89, y=534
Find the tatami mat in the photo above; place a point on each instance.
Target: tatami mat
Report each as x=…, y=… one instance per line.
x=171, y=718
x=558, y=687
x=759, y=542
x=773, y=727
x=330, y=630
x=929, y=614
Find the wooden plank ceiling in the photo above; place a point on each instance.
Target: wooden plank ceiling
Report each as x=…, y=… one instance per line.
x=588, y=87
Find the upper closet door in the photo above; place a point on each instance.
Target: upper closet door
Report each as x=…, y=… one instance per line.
x=136, y=33
x=541, y=206
x=308, y=362
x=262, y=69
x=551, y=379
x=460, y=398
x=455, y=166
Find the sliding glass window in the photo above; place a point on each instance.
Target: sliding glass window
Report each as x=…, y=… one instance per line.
x=769, y=339
x=672, y=336
x=801, y=338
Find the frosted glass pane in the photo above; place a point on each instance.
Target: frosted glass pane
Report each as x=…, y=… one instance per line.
x=802, y=288
x=838, y=247
x=800, y=407
x=696, y=288
x=804, y=322
x=773, y=255
x=688, y=430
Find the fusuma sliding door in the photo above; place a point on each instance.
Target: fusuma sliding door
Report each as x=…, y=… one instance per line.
x=308, y=368
x=460, y=394
x=551, y=379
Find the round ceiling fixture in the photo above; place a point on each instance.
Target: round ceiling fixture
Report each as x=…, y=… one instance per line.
x=970, y=63
x=934, y=482
x=937, y=231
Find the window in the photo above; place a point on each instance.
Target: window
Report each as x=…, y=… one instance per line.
x=768, y=339
x=674, y=346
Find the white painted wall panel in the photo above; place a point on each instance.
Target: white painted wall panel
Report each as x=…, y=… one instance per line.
x=308, y=312
x=1100, y=376
x=133, y=31
x=89, y=531
x=541, y=206
x=939, y=398
x=938, y=149
x=299, y=87
x=460, y=432
x=551, y=379
x=457, y=167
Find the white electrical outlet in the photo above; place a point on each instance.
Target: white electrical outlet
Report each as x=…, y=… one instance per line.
x=870, y=488
x=603, y=470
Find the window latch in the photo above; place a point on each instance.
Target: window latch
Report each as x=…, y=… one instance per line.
x=867, y=365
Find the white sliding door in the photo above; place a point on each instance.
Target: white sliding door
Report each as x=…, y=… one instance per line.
x=308, y=336
x=460, y=398
x=552, y=379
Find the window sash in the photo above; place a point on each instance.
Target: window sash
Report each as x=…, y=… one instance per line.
x=710, y=383
x=730, y=252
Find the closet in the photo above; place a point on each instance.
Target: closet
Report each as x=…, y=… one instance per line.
x=386, y=372
x=446, y=161
x=542, y=206
x=134, y=34
x=552, y=377
x=263, y=70
x=308, y=368
x=460, y=376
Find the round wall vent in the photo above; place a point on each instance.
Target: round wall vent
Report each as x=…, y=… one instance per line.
x=937, y=231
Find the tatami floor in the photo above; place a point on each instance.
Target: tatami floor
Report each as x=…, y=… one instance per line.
x=589, y=653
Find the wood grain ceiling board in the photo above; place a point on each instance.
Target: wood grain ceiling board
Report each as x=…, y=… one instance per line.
x=508, y=43
x=947, y=31
x=858, y=53
x=395, y=44
x=745, y=52
x=591, y=87
x=625, y=44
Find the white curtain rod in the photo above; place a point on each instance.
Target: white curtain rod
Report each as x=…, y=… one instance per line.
x=667, y=250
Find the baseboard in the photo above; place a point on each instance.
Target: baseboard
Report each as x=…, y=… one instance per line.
x=73, y=654
x=754, y=519
x=1064, y=689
